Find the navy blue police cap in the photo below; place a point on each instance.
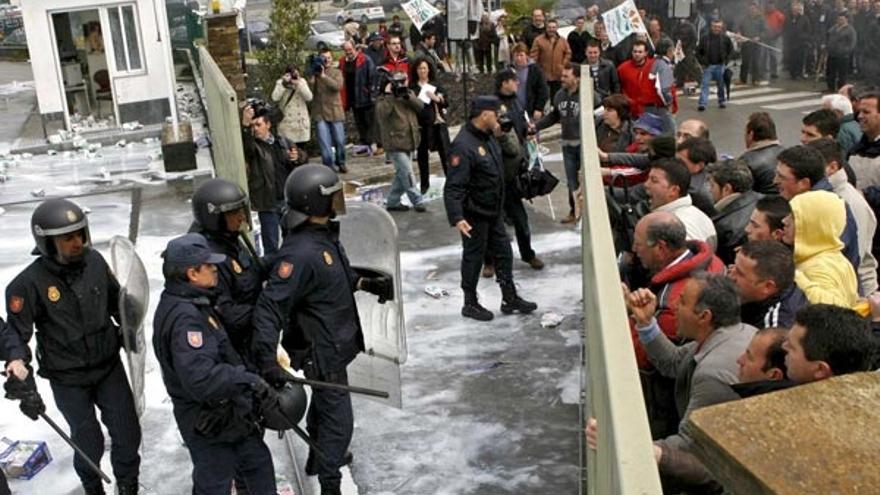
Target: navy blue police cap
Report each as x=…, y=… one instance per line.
x=191, y=250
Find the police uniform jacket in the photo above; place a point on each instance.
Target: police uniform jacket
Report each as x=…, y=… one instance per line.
x=310, y=295
x=239, y=282
x=199, y=366
x=475, y=178
x=71, y=307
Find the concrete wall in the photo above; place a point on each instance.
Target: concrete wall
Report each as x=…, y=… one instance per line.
x=156, y=82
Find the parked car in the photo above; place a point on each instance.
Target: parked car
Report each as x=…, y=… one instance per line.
x=363, y=11
x=258, y=33
x=323, y=34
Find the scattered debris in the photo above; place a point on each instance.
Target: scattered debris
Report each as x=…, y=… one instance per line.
x=150, y=140
x=550, y=320
x=121, y=143
x=51, y=152
x=132, y=126
x=485, y=367
x=432, y=275
x=24, y=459
x=105, y=174
x=436, y=292
x=38, y=193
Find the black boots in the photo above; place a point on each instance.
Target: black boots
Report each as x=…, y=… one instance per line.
x=511, y=302
x=312, y=469
x=472, y=308
x=127, y=489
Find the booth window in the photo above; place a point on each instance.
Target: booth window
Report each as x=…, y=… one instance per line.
x=126, y=43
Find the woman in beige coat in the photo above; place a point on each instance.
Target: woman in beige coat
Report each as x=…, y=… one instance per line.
x=292, y=94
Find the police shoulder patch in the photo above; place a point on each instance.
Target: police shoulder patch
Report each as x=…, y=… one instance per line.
x=285, y=269
x=454, y=160
x=16, y=304
x=194, y=339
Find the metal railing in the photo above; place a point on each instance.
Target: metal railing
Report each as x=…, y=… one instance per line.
x=624, y=462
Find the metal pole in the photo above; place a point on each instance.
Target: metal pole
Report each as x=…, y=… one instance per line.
x=78, y=450
x=337, y=386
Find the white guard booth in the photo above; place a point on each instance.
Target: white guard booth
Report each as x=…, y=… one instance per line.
x=110, y=60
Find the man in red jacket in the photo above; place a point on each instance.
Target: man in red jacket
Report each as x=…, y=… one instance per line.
x=395, y=57
x=636, y=80
x=659, y=242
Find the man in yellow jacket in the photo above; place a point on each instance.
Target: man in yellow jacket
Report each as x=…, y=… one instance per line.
x=822, y=272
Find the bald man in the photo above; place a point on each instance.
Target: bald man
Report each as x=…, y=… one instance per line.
x=691, y=128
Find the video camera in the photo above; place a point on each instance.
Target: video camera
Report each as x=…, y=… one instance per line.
x=398, y=85
x=314, y=64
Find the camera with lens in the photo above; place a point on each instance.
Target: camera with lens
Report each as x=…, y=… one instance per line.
x=314, y=64
x=505, y=122
x=292, y=75
x=260, y=107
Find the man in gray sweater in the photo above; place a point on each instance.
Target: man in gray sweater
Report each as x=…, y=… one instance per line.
x=706, y=367
x=567, y=111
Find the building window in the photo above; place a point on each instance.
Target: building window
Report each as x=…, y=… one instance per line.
x=126, y=39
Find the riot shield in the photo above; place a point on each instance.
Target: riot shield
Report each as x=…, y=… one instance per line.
x=369, y=236
x=134, y=298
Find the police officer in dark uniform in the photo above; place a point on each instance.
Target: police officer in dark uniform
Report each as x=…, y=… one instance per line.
x=220, y=209
x=310, y=295
x=70, y=295
x=217, y=402
x=474, y=197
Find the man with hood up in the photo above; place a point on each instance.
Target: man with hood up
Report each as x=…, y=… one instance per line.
x=813, y=229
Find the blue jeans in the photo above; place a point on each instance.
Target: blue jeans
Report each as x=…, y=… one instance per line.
x=712, y=73
x=571, y=159
x=403, y=180
x=331, y=135
x=270, y=225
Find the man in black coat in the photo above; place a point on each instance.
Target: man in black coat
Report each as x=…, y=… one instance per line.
x=69, y=294
x=797, y=39
x=731, y=185
x=269, y=159
x=713, y=53
x=217, y=401
x=578, y=39
x=762, y=147
x=474, y=198
x=604, y=73
x=534, y=29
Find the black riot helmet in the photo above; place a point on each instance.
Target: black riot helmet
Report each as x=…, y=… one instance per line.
x=292, y=402
x=212, y=200
x=54, y=217
x=312, y=190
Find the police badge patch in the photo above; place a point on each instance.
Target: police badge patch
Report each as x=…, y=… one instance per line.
x=236, y=267
x=16, y=303
x=285, y=269
x=328, y=258
x=194, y=339
x=53, y=293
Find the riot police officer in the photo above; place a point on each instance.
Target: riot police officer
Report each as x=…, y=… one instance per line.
x=217, y=402
x=4, y=487
x=70, y=295
x=474, y=198
x=310, y=295
x=220, y=208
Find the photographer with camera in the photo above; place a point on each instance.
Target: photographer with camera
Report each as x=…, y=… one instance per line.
x=327, y=83
x=269, y=159
x=397, y=113
x=292, y=95
x=511, y=136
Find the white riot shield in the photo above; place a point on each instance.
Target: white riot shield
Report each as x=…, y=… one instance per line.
x=369, y=236
x=134, y=299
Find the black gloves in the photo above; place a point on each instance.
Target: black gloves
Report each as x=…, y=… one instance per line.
x=277, y=376
x=381, y=286
x=265, y=396
x=26, y=391
x=32, y=405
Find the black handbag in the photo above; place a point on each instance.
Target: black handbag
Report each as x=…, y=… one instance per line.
x=536, y=181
